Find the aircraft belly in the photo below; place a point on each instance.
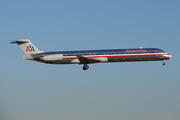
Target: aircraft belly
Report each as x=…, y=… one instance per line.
x=138, y=58
x=115, y=59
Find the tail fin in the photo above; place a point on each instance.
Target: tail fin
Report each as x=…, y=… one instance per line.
x=27, y=46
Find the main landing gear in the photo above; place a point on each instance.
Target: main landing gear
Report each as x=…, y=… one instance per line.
x=85, y=67
x=164, y=62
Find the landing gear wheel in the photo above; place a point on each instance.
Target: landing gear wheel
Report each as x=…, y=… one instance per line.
x=85, y=67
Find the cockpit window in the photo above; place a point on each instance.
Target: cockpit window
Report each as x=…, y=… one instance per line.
x=161, y=51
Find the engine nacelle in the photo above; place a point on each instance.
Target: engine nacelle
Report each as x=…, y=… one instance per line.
x=49, y=58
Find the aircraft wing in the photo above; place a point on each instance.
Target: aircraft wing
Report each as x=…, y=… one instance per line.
x=86, y=60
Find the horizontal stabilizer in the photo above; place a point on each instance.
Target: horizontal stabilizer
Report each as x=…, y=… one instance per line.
x=19, y=42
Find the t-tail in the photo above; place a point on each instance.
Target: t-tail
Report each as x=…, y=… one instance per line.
x=27, y=47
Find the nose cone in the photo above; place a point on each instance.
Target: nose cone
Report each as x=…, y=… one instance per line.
x=167, y=56
x=170, y=56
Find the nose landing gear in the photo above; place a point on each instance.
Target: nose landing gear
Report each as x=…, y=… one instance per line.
x=164, y=62
x=85, y=67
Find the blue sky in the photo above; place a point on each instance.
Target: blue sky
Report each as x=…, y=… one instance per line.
x=140, y=90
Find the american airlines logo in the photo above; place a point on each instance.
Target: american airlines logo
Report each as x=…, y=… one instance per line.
x=30, y=48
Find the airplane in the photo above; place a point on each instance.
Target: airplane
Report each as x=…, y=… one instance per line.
x=86, y=57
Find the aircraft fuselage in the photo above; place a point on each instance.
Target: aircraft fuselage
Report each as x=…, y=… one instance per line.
x=112, y=55
x=91, y=56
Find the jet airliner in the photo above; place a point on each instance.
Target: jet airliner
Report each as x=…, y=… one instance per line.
x=86, y=57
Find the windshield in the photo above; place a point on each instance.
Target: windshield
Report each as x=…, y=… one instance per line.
x=161, y=51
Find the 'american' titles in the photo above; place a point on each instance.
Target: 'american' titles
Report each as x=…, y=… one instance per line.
x=136, y=50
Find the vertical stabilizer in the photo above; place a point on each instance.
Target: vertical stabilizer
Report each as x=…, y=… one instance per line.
x=27, y=46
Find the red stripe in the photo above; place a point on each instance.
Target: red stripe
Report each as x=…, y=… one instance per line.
x=126, y=55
